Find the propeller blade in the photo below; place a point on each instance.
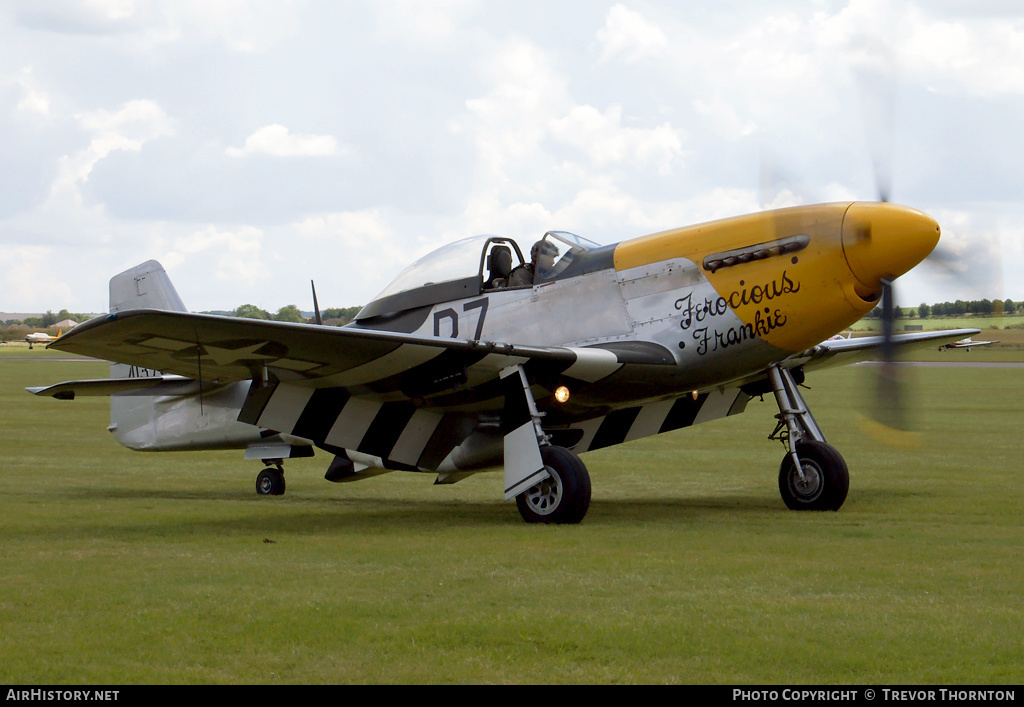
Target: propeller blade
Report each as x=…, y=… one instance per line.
x=778, y=188
x=875, y=68
x=979, y=269
x=890, y=425
x=888, y=321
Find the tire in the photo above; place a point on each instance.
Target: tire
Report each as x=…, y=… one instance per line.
x=827, y=478
x=562, y=499
x=270, y=482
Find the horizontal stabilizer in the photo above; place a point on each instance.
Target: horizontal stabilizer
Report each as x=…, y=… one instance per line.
x=145, y=386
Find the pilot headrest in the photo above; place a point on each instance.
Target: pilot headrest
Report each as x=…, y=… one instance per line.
x=499, y=261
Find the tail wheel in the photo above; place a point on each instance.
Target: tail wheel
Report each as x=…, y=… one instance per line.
x=826, y=479
x=270, y=482
x=562, y=498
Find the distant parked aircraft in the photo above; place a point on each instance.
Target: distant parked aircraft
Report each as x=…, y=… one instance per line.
x=966, y=344
x=41, y=338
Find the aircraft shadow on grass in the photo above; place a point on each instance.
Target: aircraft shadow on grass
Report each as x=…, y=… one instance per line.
x=370, y=513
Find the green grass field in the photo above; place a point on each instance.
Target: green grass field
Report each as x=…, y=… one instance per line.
x=124, y=568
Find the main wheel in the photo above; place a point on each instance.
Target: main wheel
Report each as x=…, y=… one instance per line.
x=562, y=498
x=270, y=482
x=826, y=479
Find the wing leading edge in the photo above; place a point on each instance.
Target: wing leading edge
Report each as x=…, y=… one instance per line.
x=224, y=349
x=840, y=352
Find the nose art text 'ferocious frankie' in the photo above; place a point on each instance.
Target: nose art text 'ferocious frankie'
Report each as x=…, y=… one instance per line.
x=813, y=270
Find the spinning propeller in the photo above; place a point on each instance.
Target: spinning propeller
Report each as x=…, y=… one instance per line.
x=878, y=258
x=876, y=79
x=881, y=240
x=875, y=69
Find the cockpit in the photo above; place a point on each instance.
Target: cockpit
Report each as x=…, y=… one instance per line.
x=479, y=264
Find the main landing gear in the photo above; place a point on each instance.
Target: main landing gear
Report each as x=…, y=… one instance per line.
x=550, y=484
x=564, y=496
x=813, y=476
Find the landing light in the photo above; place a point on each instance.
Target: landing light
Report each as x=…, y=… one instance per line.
x=561, y=394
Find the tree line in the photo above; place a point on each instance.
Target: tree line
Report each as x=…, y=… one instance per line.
x=336, y=316
x=954, y=309
x=288, y=313
x=47, y=320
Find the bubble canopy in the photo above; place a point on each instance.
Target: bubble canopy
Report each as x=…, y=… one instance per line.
x=459, y=270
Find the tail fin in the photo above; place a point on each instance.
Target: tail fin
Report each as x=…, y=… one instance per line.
x=145, y=286
x=137, y=422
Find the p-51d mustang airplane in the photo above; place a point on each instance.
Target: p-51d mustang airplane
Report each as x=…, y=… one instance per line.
x=450, y=370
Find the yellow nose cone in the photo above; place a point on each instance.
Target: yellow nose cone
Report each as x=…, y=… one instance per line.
x=883, y=241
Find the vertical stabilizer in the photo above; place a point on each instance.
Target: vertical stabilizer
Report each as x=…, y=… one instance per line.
x=145, y=286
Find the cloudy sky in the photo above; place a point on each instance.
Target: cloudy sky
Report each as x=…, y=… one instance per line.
x=254, y=145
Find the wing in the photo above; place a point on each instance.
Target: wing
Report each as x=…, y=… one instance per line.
x=220, y=349
x=840, y=352
x=406, y=400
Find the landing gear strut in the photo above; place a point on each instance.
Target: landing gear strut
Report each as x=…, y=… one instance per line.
x=270, y=481
x=813, y=475
x=550, y=484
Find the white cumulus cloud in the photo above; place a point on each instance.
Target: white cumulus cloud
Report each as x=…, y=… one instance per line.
x=276, y=140
x=603, y=137
x=126, y=129
x=229, y=255
x=628, y=35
